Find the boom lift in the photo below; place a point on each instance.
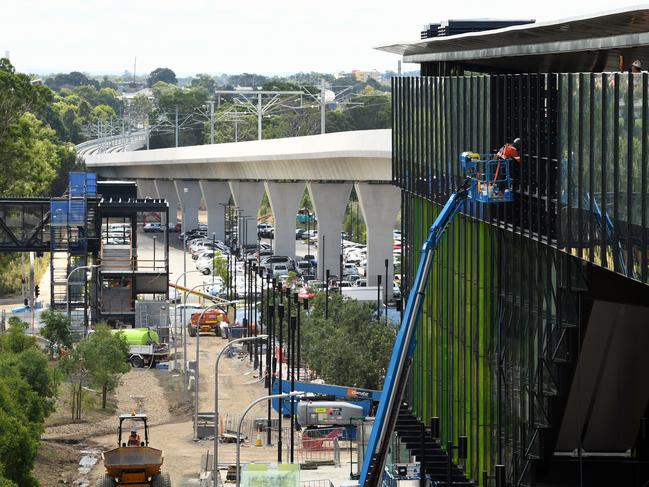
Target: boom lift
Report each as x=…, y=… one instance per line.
x=487, y=181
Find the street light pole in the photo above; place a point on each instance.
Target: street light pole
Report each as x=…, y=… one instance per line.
x=243, y=415
x=216, y=398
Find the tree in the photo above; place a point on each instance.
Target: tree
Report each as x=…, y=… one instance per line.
x=25, y=400
x=141, y=107
x=56, y=330
x=18, y=96
x=28, y=140
x=104, y=356
x=161, y=74
x=205, y=81
x=74, y=78
x=349, y=348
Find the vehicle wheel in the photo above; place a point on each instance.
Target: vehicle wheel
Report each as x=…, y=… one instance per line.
x=162, y=480
x=106, y=481
x=137, y=362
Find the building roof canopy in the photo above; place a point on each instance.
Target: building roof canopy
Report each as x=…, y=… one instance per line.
x=587, y=43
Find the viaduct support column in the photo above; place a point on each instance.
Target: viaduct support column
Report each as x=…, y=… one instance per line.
x=247, y=196
x=380, y=204
x=167, y=191
x=329, y=202
x=189, y=194
x=216, y=194
x=285, y=200
x=146, y=189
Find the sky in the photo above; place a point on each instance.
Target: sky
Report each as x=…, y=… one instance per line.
x=267, y=37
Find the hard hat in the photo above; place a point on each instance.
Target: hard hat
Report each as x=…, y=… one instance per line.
x=636, y=64
x=517, y=143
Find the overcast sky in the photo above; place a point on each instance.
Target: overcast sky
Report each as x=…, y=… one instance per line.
x=262, y=36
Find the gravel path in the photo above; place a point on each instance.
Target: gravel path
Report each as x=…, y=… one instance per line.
x=138, y=383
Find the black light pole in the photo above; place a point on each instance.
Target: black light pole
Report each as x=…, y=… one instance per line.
x=292, y=359
x=281, y=359
x=308, y=240
x=378, y=298
x=299, y=342
x=270, y=315
x=327, y=293
x=385, y=294
x=274, y=334
x=322, y=264
x=340, y=275
x=296, y=298
x=258, y=319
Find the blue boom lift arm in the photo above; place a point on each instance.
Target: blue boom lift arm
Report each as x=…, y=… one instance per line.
x=404, y=346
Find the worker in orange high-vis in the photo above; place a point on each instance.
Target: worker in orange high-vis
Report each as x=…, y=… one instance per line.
x=508, y=152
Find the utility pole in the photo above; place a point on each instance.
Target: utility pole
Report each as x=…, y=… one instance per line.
x=211, y=121
x=259, y=116
x=323, y=107
x=176, y=126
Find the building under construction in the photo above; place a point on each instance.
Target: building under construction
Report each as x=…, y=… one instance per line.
x=96, y=270
x=533, y=342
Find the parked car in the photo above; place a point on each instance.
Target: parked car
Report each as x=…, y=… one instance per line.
x=303, y=267
x=361, y=283
x=280, y=270
x=152, y=228
x=349, y=270
x=204, y=265
x=265, y=230
x=298, y=233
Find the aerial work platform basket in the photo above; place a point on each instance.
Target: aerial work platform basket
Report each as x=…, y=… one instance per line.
x=491, y=181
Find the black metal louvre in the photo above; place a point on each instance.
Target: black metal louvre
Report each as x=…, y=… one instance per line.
x=582, y=183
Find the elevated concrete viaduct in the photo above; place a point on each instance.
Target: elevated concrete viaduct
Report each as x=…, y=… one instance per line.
x=328, y=165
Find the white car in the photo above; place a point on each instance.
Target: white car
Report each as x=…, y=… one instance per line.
x=350, y=270
x=280, y=270
x=205, y=265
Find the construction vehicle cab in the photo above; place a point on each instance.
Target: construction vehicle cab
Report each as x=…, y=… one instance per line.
x=132, y=464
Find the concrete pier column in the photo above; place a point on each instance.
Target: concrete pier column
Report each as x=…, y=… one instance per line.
x=167, y=191
x=247, y=196
x=146, y=189
x=380, y=204
x=216, y=194
x=189, y=195
x=285, y=201
x=329, y=202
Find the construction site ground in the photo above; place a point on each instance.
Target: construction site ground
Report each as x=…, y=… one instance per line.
x=163, y=396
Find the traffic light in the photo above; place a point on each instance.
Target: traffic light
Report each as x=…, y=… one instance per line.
x=37, y=291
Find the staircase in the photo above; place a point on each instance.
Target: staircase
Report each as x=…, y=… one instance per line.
x=410, y=431
x=548, y=401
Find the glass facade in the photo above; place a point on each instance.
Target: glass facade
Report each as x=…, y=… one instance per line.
x=510, y=290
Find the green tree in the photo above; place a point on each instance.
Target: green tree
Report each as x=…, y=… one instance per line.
x=161, y=74
x=25, y=400
x=56, y=330
x=74, y=78
x=15, y=340
x=104, y=356
x=141, y=107
x=18, y=97
x=28, y=140
x=204, y=81
x=349, y=348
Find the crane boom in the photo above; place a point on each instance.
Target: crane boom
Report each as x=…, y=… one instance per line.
x=404, y=346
